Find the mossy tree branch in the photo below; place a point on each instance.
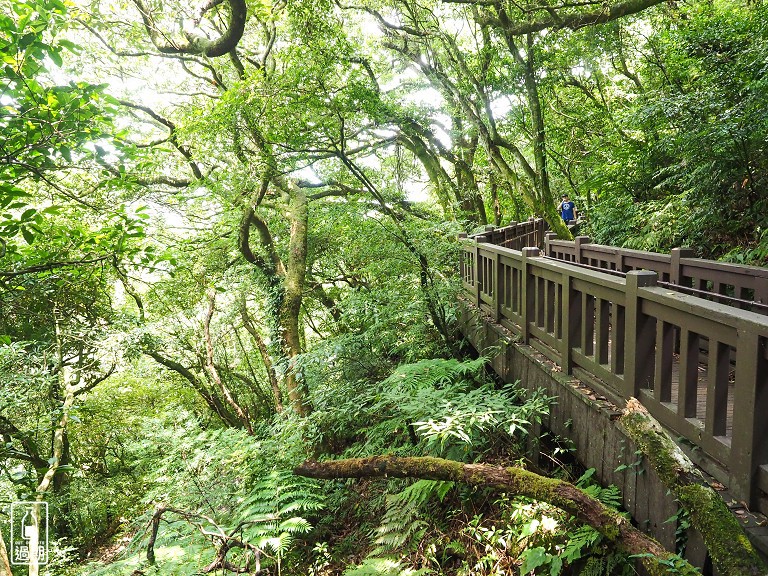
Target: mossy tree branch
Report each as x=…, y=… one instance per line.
x=731, y=551
x=613, y=526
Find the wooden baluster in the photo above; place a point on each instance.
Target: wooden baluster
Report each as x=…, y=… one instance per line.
x=549, y=315
x=513, y=243
x=479, y=269
x=572, y=329
x=761, y=293
x=618, y=339
x=559, y=311
x=676, y=266
x=498, y=286
x=665, y=345
x=463, y=265
x=492, y=236
x=541, y=301
x=588, y=324
x=640, y=335
x=602, y=312
x=577, y=242
x=528, y=281
x=547, y=249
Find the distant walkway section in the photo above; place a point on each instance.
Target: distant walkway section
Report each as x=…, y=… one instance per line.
x=688, y=337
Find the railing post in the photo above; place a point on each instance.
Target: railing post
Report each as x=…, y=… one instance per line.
x=547, y=237
x=540, y=231
x=463, y=258
x=497, y=287
x=675, y=267
x=761, y=290
x=571, y=311
x=577, y=242
x=528, y=285
x=749, y=447
x=640, y=335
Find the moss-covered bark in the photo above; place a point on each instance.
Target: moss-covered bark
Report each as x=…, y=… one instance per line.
x=730, y=549
x=614, y=527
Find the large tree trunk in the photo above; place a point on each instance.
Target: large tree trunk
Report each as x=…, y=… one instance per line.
x=286, y=282
x=614, y=527
x=545, y=201
x=730, y=549
x=295, y=274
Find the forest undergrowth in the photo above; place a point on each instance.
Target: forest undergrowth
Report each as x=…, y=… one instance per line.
x=223, y=481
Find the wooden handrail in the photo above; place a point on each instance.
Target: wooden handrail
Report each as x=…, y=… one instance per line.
x=745, y=287
x=627, y=336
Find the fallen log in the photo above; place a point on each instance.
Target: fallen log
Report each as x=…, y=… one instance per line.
x=613, y=526
x=731, y=551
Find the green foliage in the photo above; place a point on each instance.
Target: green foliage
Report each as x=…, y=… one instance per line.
x=656, y=123
x=690, y=169
x=403, y=525
x=47, y=128
x=271, y=511
x=384, y=567
x=437, y=407
x=541, y=539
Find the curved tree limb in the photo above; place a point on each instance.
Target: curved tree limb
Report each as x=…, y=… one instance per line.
x=194, y=43
x=614, y=527
x=573, y=21
x=213, y=401
x=222, y=541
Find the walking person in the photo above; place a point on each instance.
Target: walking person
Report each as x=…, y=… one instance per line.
x=567, y=209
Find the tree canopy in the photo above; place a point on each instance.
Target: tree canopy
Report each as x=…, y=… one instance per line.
x=228, y=243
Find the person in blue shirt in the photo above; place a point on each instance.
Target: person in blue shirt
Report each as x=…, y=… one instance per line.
x=567, y=209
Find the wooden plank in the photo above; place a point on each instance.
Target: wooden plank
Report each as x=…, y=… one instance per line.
x=661, y=510
x=595, y=439
x=643, y=495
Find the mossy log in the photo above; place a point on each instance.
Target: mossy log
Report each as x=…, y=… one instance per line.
x=731, y=551
x=613, y=526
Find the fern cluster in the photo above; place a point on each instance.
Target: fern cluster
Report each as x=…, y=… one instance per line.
x=443, y=408
x=272, y=513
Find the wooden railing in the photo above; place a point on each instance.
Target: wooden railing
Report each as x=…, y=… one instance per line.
x=516, y=235
x=744, y=287
x=627, y=336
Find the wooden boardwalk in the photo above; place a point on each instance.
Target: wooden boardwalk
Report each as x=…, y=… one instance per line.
x=687, y=337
